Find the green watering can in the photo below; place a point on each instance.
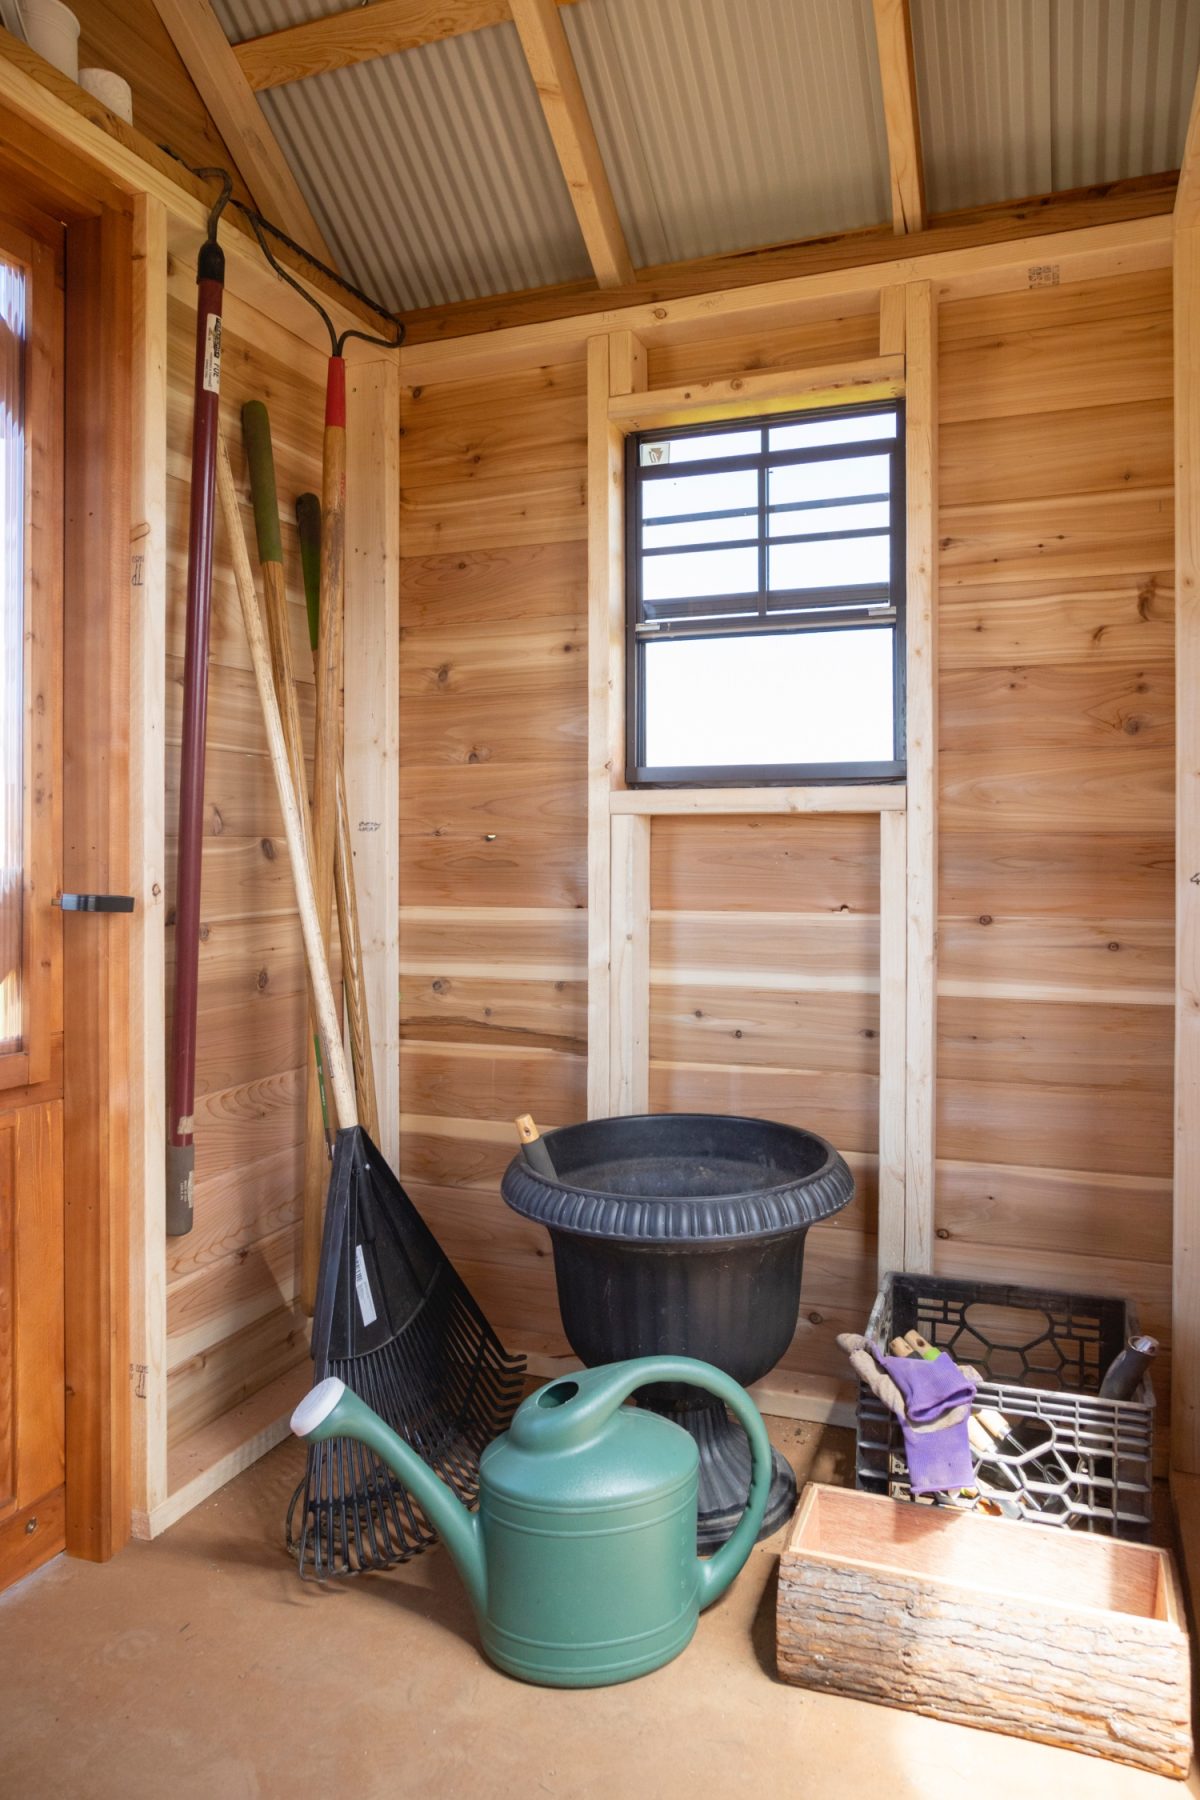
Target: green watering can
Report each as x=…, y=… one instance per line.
x=581, y=1560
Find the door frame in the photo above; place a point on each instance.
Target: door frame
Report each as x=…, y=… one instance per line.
x=100, y=1056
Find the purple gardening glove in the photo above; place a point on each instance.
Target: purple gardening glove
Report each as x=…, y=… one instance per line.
x=938, y=1460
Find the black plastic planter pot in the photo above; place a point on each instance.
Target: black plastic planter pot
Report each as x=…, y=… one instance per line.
x=683, y=1234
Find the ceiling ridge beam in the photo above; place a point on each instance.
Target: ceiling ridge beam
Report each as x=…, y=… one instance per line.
x=897, y=74
x=209, y=59
x=342, y=39
x=557, y=81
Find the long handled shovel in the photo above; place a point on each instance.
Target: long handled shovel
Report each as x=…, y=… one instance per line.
x=256, y=430
x=308, y=520
x=393, y=1320
x=181, y=1154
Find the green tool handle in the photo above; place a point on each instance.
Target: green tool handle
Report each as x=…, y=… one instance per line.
x=308, y=523
x=256, y=432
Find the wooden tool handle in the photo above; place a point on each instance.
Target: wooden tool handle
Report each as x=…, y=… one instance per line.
x=256, y=434
x=354, y=982
x=329, y=651
x=293, y=824
x=534, y=1146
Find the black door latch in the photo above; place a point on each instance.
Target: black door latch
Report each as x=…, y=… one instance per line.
x=95, y=902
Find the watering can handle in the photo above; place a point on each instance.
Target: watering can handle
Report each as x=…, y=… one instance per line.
x=718, y=1571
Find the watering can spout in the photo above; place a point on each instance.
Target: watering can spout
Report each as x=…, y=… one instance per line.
x=332, y=1410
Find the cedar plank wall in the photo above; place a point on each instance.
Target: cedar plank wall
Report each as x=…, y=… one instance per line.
x=232, y=1326
x=1055, y=678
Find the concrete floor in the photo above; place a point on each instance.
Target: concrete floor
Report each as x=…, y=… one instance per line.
x=200, y=1668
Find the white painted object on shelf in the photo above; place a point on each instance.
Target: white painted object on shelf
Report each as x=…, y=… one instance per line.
x=111, y=89
x=52, y=30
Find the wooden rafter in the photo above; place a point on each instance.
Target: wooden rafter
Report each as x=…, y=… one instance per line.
x=1187, y=193
x=341, y=39
x=238, y=116
x=557, y=80
x=893, y=35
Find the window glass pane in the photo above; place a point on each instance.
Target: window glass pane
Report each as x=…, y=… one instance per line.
x=868, y=515
x=701, y=531
x=851, y=475
x=12, y=656
x=700, y=494
x=800, y=697
x=833, y=562
x=808, y=434
x=704, y=573
x=700, y=449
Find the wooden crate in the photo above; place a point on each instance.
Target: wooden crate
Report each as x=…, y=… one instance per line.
x=1076, y=1641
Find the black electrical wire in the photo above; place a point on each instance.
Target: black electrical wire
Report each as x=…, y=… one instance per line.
x=260, y=226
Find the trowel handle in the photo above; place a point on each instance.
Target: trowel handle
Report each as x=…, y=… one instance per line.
x=718, y=1571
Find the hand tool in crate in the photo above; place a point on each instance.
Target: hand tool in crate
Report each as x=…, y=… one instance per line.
x=1086, y=1459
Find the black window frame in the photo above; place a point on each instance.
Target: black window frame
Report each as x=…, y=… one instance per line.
x=827, y=604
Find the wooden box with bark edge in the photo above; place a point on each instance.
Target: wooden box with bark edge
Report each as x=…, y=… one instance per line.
x=1072, y=1640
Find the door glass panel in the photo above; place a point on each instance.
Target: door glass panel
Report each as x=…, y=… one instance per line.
x=12, y=649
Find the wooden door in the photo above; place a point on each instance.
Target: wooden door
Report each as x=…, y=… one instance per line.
x=31, y=987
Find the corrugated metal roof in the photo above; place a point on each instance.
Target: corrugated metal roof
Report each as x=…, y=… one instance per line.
x=431, y=174
x=1022, y=97
x=723, y=125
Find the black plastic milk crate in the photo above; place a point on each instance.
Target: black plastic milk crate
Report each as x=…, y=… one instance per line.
x=1080, y=1462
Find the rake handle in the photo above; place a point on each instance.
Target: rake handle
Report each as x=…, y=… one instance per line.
x=293, y=823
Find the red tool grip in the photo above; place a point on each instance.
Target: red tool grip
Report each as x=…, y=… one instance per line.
x=335, y=392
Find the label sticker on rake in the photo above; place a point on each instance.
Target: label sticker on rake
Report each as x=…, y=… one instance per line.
x=362, y=1287
x=211, y=378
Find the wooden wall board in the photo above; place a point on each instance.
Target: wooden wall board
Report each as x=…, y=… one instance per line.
x=487, y=1081
x=1127, y=620
x=1055, y=793
x=213, y=1381
x=820, y=864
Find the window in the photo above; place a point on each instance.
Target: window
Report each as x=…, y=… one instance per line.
x=766, y=600
x=12, y=652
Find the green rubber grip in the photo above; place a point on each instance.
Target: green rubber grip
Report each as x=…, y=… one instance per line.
x=256, y=432
x=308, y=521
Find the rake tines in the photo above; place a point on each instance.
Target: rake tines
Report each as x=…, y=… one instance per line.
x=396, y=1324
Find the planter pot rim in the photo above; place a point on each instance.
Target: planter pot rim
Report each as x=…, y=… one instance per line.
x=758, y=1213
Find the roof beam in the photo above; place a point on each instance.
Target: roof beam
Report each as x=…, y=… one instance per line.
x=557, y=81
x=1187, y=194
x=893, y=35
x=381, y=28
x=209, y=60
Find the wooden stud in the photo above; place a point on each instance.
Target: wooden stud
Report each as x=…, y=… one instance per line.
x=557, y=81
x=148, y=590
x=96, y=857
x=209, y=60
x=891, y=321
x=758, y=391
x=922, y=782
x=897, y=75
x=605, y=580
x=628, y=365
x=893, y=956
x=1185, y=1400
x=629, y=1003
x=372, y=708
